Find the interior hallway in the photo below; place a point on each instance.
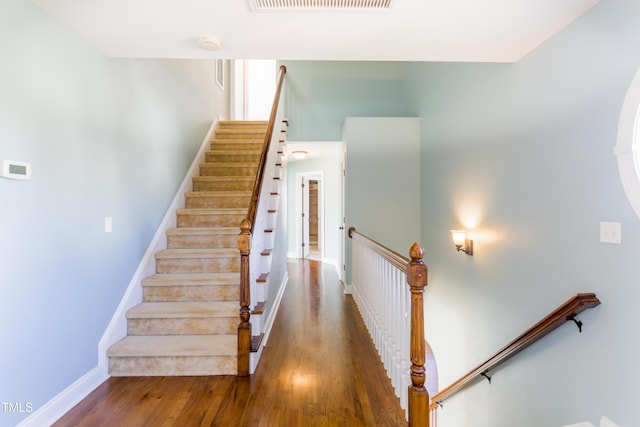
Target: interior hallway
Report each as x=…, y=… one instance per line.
x=319, y=368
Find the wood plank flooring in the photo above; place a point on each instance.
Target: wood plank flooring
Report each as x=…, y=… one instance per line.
x=319, y=368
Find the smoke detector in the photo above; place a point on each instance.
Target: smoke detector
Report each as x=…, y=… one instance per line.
x=210, y=43
x=318, y=4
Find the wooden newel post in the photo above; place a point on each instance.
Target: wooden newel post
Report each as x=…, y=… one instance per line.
x=418, y=395
x=244, y=328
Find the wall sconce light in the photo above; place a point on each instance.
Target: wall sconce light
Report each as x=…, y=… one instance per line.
x=299, y=154
x=463, y=244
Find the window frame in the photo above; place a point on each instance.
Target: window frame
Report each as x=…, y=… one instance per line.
x=626, y=149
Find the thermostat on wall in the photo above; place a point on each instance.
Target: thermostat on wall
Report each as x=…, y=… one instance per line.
x=14, y=169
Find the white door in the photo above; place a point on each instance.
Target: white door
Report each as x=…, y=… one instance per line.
x=342, y=229
x=305, y=217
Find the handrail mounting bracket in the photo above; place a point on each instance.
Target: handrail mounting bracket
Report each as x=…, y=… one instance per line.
x=576, y=321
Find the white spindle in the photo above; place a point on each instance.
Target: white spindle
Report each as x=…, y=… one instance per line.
x=383, y=299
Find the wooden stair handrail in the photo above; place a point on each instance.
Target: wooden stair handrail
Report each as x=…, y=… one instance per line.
x=244, y=240
x=416, y=272
x=257, y=185
x=567, y=311
x=394, y=258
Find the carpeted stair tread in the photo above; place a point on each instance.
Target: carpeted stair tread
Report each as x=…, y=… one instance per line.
x=246, y=164
x=214, y=211
x=203, y=230
x=175, y=346
x=253, y=152
x=217, y=145
x=197, y=253
x=218, y=193
x=177, y=310
x=187, y=321
x=222, y=178
x=192, y=279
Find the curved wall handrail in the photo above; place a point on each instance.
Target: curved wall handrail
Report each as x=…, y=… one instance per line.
x=566, y=312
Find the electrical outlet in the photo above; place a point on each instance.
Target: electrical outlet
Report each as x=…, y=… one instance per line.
x=108, y=224
x=610, y=232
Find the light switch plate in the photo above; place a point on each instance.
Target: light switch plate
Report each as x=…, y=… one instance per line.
x=610, y=232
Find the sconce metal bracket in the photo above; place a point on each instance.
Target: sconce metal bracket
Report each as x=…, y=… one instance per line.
x=576, y=321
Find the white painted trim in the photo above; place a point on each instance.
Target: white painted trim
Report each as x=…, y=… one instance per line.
x=276, y=305
x=626, y=146
x=51, y=411
x=348, y=288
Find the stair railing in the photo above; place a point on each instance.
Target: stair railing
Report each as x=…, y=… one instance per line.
x=394, y=315
x=247, y=227
x=564, y=313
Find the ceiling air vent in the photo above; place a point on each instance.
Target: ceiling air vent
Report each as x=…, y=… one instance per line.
x=319, y=4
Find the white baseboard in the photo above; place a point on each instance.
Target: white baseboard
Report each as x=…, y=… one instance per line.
x=348, y=288
x=51, y=411
x=276, y=305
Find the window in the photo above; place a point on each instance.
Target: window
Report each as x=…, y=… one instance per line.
x=627, y=148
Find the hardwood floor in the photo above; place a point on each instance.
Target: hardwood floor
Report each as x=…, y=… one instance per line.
x=319, y=368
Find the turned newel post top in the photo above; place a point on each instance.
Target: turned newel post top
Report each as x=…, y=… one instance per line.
x=417, y=270
x=244, y=238
x=416, y=252
x=245, y=226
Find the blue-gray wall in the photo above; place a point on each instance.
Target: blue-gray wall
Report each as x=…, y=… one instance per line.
x=106, y=138
x=331, y=165
x=522, y=154
x=320, y=95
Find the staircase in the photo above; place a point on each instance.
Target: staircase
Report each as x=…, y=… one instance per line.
x=187, y=323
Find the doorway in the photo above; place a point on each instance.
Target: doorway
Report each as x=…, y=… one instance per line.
x=313, y=218
x=253, y=88
x=309, y=214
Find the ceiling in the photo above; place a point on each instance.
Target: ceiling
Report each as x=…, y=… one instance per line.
x=410, y=30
